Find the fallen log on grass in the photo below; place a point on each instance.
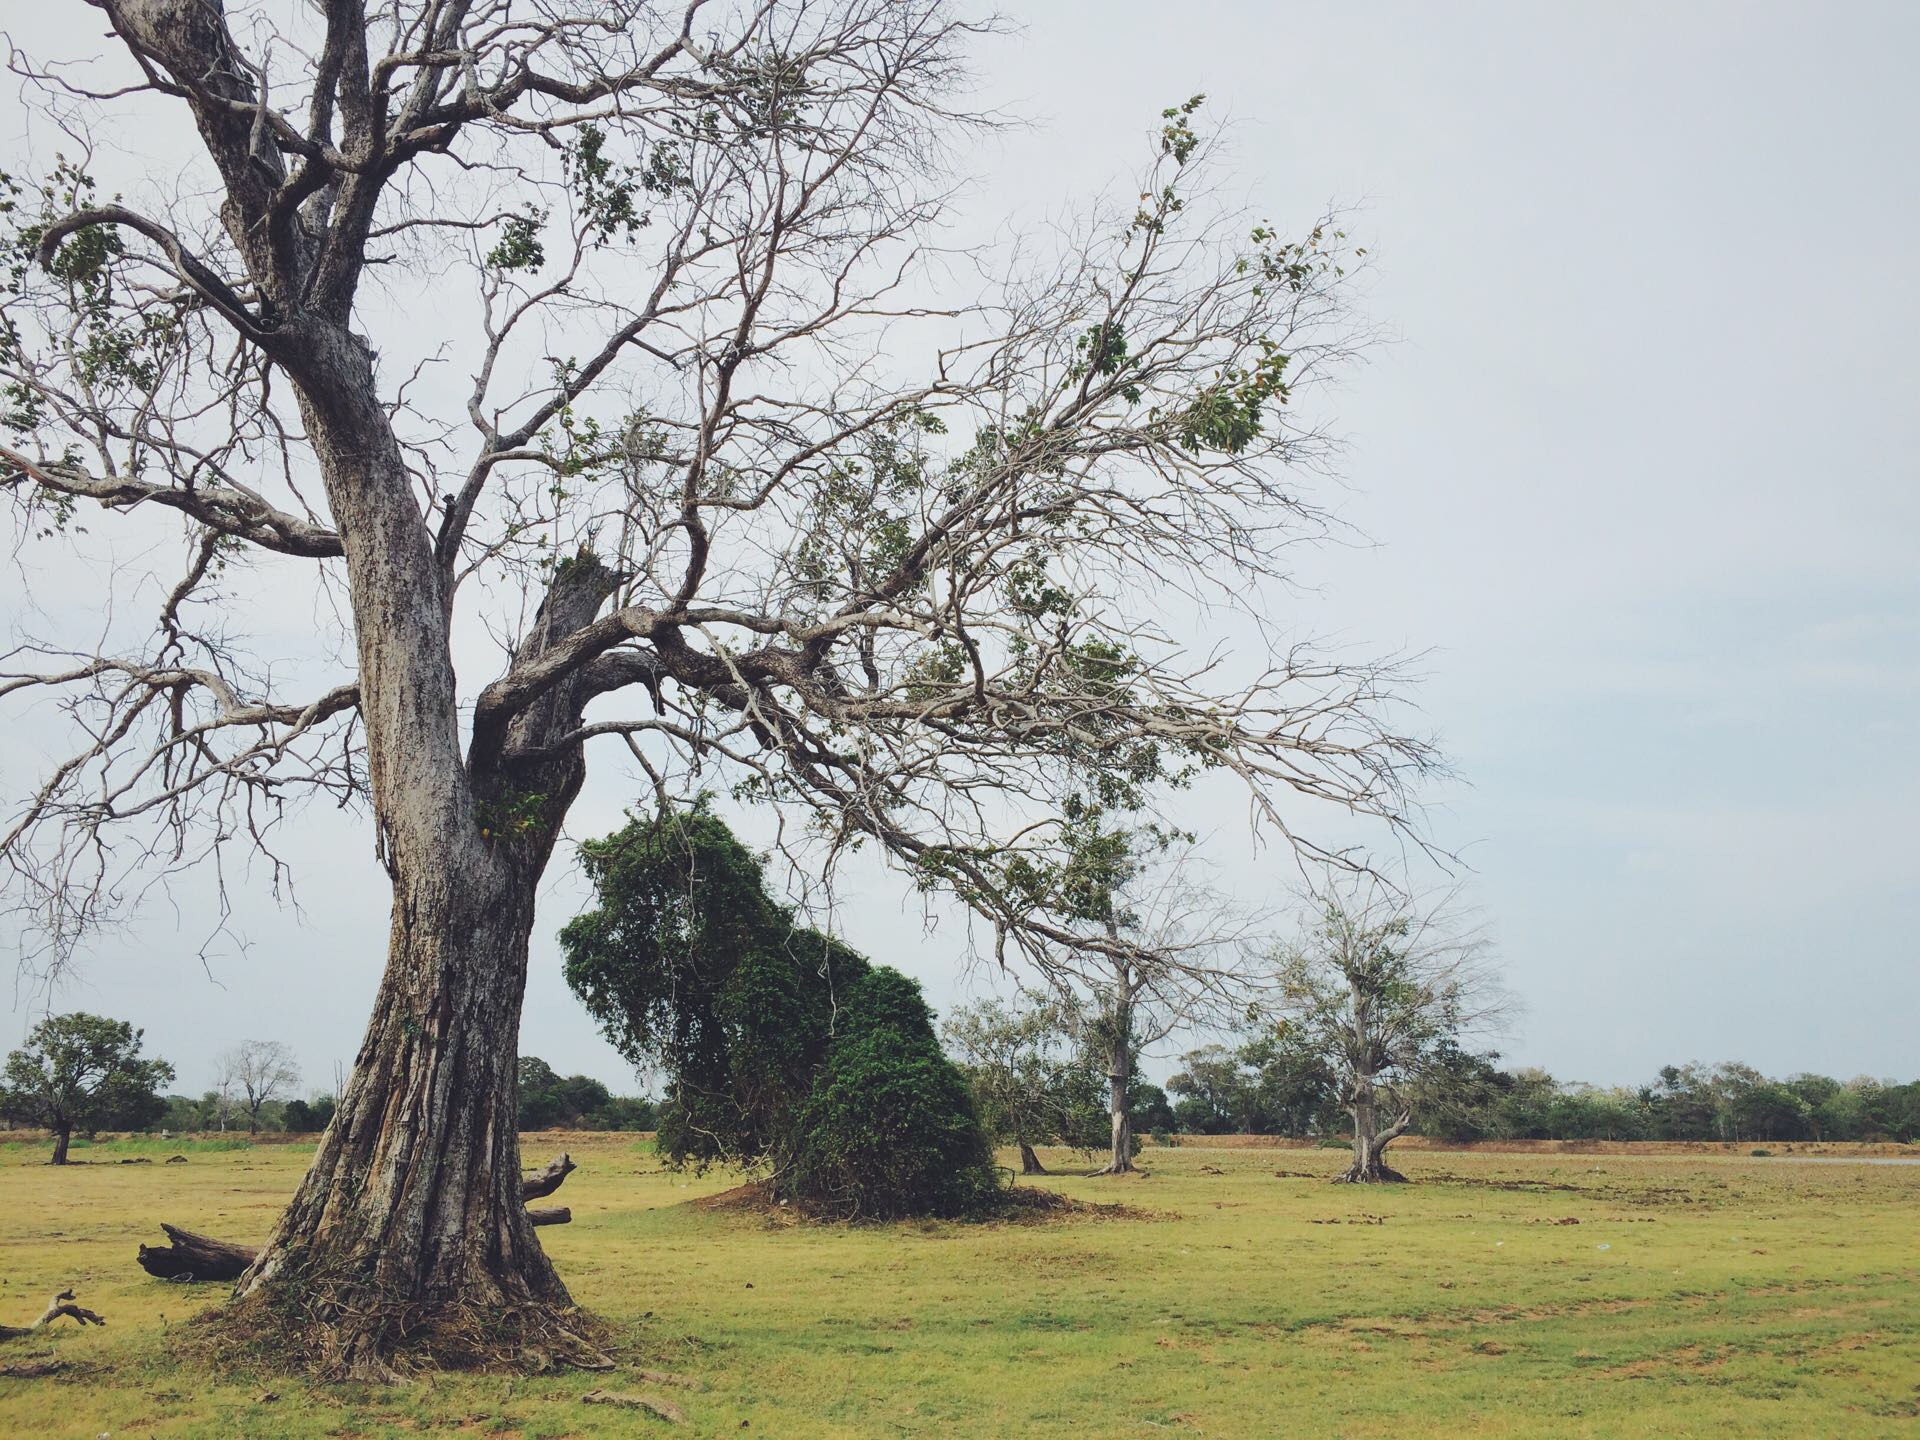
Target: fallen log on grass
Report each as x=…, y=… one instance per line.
x=61, y=1304
x=544, y=1182
x=551, y=1215
x=189, y=1257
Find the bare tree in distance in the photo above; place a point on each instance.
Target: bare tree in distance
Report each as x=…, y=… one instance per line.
x=734, y=497
x=1026, y=1081
x=260, y=1071
x=1163, y=950
x=1387, y=987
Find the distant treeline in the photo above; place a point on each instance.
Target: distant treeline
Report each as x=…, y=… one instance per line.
x=1265, y=1087
x=548, y=1101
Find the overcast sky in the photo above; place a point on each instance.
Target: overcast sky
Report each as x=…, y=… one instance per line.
x=1639, y=472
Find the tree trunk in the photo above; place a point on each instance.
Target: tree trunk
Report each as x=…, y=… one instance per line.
x=410, y=1229
x=61, y=1135
x=412, y=1214
x=1120, y=1073
x=188, y=1257
x=1030, y=1162
x=1370, y=1143
x=1121, y=1161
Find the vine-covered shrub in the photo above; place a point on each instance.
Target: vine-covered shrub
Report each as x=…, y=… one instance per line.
x=890, y=1128
x=690, y=965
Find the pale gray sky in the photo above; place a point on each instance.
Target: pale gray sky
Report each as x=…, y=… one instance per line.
x=1640, y=472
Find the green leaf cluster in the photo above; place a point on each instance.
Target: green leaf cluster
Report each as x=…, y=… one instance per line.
x=610, y=195
x=890, y=1129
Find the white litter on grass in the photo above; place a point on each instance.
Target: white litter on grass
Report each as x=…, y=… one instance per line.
x=1603, y=1247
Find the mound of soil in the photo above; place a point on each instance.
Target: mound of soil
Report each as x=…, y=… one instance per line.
x=754, y=1198
x=1022, y=1205
x=1030, y=1205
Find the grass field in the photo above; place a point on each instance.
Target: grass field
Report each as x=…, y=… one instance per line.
x=1695, y=1297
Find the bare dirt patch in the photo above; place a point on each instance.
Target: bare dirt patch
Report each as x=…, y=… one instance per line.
x=1022, y=1205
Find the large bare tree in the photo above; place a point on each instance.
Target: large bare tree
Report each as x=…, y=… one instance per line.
x=1157, y=948
x=729, y=485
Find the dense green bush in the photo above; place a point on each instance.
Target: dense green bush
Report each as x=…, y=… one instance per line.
x=689, y=964
x=776, y=1048
x=890, y=1127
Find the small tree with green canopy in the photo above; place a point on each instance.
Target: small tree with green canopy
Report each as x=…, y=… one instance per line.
x=1212, y=1092
x=691, y=965
x=890, y=1128
x=1030, y=1084
x=1149, y=945
x=1385, y=991
x=82, y=1072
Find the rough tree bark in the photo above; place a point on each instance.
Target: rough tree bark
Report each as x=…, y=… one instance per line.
x=1029, y=1161
x=414, y=1200
x=61, y=1136
x=1120, y=1072
x=414, y=1205
x=1370, y=1141
x=188, y=1257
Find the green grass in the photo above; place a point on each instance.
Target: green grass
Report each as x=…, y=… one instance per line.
x=82, y=1150
x=1696, y=1297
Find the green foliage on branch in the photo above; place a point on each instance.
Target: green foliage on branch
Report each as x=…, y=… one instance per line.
x=519, y=246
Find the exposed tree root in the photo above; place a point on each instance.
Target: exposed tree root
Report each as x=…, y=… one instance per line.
x=34, y=1367
x=341, y=1327
x=1379, y=1173
x=652, y=1404
x=61, y=1304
